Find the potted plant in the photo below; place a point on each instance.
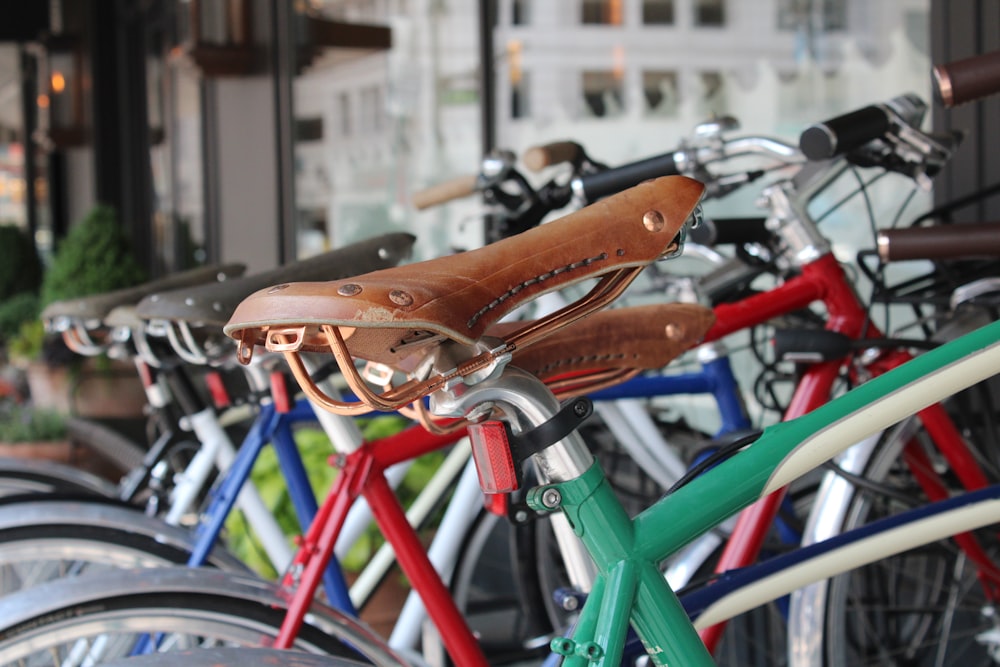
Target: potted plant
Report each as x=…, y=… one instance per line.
x=36, y=433
x=94, y=257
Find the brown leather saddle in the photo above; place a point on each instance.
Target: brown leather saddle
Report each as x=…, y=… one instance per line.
x=395, y=317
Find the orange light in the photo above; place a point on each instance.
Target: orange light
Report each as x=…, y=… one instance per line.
x=514, y=61
x=57, y=82
x=43, y=101
x=615, y=12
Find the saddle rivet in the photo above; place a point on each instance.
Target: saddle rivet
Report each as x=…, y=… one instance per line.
x=349, y=289
x=400, y=298
x=277, y=288
x=674, y=331
x=653, y=220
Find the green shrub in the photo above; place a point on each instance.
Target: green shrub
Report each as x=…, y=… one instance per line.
x=16, y=310
x=94, y=257
x=315, y=448
x=20, y=268
x=27, y=343
x=21, y=424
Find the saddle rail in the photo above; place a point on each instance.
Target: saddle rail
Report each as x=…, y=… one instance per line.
x=397, y=319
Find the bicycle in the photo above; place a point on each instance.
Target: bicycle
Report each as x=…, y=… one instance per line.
x=813, y=275
x=878, y=384
x=575, y=485
x=59, y=534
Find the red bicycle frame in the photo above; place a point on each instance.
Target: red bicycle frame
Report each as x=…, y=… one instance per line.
x=362, y=471
x=823, y=280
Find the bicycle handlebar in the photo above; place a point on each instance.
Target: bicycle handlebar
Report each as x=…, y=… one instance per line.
x=537, y=158
x=967, y=79
x=844, y=133
x=731, y=231
x=605, y=183
x=940, y=242
x=456, y=188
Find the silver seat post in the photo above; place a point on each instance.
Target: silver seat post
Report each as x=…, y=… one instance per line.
x=526, y=402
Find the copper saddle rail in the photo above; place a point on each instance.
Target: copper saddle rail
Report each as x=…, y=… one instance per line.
x=395, y=317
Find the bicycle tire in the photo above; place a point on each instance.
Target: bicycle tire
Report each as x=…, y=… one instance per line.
x=23, y=476
x=96, y=619
x=42, y=540
x=906, y=608
x=107, y=442
x=234, y=657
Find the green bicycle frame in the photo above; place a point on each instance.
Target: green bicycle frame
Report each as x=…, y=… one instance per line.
x=629, y=588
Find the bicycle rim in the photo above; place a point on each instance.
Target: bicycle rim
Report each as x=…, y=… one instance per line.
x=43, y=541
x=97, y=631
x=921, y=607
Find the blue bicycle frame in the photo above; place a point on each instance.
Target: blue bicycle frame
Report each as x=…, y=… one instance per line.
x=271, y=426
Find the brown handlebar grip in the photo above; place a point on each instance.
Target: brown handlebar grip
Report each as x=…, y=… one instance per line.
x=456, y=188
x=980, y=239
x=537, y=158
x=968, y=79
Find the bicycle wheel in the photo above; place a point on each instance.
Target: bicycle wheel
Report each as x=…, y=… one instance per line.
x=95, y=619
x=759, y=636
x=234, y=657
x=921, y=607
x=42, y=540
x=22, y=476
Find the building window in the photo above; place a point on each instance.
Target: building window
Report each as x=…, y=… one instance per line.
x=660, y=93
x=710, y=13
x=308, y=129
x=711, y=95
x=520, y=101
x=520, y=12
x=602, y=94
x=344, y=109
x=601, y=12
x=824, y=15
x=658, y=12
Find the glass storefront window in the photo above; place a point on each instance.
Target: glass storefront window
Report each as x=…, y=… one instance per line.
x=408, y=117
x=403, y=118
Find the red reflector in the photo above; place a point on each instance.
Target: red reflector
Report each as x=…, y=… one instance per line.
x=220, y=397
x=279, y=392
x=491, y=453
x=496, y=503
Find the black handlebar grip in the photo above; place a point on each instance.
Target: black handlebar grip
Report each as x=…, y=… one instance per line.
x=968, y=79
x=735, y=231
x=604, y=183
x=844, y=133
x=741, y=230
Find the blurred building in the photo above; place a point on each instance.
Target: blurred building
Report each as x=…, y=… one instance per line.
x=262, y=130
